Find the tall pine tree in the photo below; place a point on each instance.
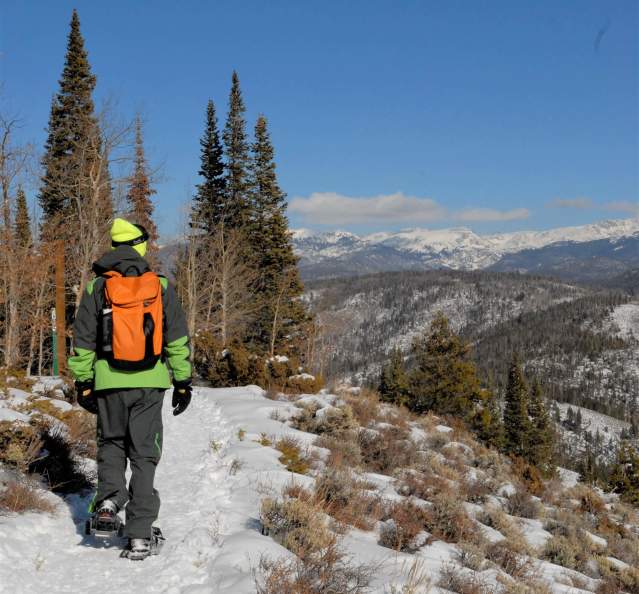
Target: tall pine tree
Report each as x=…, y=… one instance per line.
x=393, y=384
x=624, y=478
x=210, y=201
x=444, y=379
x=237, y=212
x=271, y=244
x=516, y=421
x=22, y=224
x=140, y=191
x=71, y=124
x=541, y=439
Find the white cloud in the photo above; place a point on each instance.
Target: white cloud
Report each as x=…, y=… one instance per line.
x=327, y=208
x=330, y=208
x=482, y=215
x=624, y=206
x=578, y=203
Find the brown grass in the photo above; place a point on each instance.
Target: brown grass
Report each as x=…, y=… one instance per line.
x=292, y=456
x=23, y=496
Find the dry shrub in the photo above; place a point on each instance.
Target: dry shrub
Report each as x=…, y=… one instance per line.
x=81, y=432
x=386, y=449
x=617, y=580
x=424, y=485
x=514, y=563
x=471, y=556
x=405, y=521
x=292, y=456
x=365, y=406
x=520, y=503
x=589, y=500
x=625, y=548
x=475, y=490
x=344, y=499
x=528, y=585
x=455, y=579
x=343, y=451
x=335, y=421
x=500, y=521
x=530, y=475
x=447, y=520
x=23, y=496
x=561, y=550
x=20, y=445
x=297, y=524
x=329, y=572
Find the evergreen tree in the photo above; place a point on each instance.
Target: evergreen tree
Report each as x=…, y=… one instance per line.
x=487, y=422
x=140, y=191
x=516, y=422
x=71, y=123
x=237, y=159
x=624, y=478
x=393, y=385
x=541, y=438
x=210, y=206
x=444, y=379
x=271, y=244
x=22, y=224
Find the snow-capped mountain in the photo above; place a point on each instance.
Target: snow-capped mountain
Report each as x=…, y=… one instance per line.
x=339, y=252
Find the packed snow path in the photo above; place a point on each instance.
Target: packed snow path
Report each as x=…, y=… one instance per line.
x=201, y=499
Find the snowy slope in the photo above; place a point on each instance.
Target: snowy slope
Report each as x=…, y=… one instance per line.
x=212, y=478
x=211, y=483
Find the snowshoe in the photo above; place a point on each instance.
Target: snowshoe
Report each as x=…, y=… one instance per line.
x=139, y=549
x=105, y=522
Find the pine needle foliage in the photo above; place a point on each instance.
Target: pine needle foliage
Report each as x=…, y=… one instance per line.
x=71, y=123
x=210, y=204
x=22, y=223
x=516, y=421
x=444, y=379
x=237, y=159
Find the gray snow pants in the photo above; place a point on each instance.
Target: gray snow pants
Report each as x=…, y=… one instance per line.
x=130, y=428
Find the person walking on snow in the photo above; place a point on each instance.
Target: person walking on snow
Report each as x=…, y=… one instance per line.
x=128, y=327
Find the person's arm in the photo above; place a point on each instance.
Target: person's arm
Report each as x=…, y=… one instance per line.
x=177, y=350
x=85, y=333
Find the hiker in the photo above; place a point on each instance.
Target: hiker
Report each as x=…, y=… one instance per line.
x=129, y=325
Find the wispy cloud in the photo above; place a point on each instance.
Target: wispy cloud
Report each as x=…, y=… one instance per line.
x=329, y=208
x=480, y=215
x=578, y=203
x=626, y=206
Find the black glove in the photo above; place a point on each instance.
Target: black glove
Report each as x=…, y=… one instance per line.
x=181, y=396
x=86, y=396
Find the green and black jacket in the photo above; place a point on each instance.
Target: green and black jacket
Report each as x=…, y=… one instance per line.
x=84, y=365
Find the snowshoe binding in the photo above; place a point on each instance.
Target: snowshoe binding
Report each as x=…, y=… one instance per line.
x=105, y=522
x=139, y=549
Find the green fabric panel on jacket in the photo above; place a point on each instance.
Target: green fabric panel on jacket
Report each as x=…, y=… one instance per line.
x=81, y=364
x=164, y=282
x=177, y=354
x=107, y=378
x=90, y=285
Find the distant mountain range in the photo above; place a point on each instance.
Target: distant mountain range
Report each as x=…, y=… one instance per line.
x=590, y=253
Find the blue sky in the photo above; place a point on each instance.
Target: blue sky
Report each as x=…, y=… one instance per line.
x=497, y=115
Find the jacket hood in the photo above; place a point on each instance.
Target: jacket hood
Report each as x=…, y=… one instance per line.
x=123, y=259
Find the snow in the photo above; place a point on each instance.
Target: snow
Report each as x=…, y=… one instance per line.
x=212, y=478
x=459, y=247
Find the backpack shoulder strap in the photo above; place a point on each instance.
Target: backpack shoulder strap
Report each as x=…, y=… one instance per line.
x=163, y=281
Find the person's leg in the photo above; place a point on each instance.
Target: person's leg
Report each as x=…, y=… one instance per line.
x=113, y=415
x=144, y=445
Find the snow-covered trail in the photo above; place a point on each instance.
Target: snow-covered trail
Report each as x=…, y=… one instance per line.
x=42, y=553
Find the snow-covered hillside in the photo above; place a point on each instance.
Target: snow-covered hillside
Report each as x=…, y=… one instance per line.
x=218, y=466
x=456, y=248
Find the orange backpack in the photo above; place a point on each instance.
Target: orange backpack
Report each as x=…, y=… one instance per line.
x=132, y=321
